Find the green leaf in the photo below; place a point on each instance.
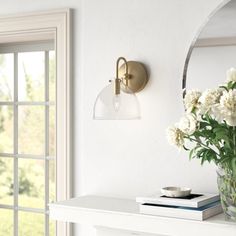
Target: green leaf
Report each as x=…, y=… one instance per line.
x=186, y=149
x=224, y=87
x=191, y=153
x=203, y=125
x=231, y=85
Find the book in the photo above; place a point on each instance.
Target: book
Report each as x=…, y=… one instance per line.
x=190, y=213
x=193, y=200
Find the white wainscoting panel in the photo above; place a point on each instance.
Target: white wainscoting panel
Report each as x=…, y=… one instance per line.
x=103, y=231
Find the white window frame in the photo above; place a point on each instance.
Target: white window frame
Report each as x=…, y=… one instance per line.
x=40, y=26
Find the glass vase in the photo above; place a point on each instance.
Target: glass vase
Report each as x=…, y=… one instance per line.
x=227, y=189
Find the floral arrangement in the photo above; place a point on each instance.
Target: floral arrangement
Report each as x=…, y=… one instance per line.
x=208, y=128
x=208, y=131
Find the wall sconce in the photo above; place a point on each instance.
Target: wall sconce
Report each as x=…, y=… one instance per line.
x=118, y=101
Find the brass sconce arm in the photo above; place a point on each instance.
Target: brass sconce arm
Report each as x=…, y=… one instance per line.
x=131, y=76
x=118, y=80
x=117, y=66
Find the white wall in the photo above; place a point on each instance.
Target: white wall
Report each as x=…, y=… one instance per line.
x=130, y=158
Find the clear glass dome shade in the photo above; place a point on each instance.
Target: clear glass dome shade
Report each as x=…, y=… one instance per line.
x=109, y=106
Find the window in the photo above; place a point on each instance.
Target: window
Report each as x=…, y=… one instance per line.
x=21, y=107
x=27, y=138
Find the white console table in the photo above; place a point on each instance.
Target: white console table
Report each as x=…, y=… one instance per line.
x=123, y=214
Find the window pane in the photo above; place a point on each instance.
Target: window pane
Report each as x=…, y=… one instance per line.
x=52, y=183
x=6, y=129
x=6, y=181
x=31, y=183
x=31, y=71
x=52, y=130
x=6, y=222
x=52, y=76
x=52, y=228
x=31, y=224
x=6, y=77
x=31, y=130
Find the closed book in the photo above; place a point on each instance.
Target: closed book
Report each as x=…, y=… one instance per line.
x=193, y=200
x=190, y=213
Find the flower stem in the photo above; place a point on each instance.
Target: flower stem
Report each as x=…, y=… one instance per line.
x=234, y=137
x=203, y=145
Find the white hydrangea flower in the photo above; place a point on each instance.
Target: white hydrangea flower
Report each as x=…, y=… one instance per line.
x=216, y=112
x=231, y=75
x=231, y=120
x=188, y=124
x=228, y=107
x=175, y=136
x=209, y=98
x=191, y=100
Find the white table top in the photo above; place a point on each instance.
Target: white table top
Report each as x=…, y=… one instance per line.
x=124, y=214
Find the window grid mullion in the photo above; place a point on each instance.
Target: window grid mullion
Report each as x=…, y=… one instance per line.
x=27, y=103
x=26, y=156
x=26, y=209
x=46, y=231
x=16, y=184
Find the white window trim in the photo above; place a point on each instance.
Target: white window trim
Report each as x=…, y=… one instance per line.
x=39, y=26
x=44, y=45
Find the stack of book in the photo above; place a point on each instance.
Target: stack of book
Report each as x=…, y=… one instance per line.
x=193, y=207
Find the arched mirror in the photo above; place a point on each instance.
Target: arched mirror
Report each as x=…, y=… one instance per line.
x=213, y=51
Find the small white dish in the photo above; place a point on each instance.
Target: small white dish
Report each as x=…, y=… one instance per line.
x=176, y=191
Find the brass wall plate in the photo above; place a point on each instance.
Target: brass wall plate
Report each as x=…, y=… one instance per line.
x=138, y=76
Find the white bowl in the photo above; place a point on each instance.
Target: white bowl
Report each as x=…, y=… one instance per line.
x=176, y=191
